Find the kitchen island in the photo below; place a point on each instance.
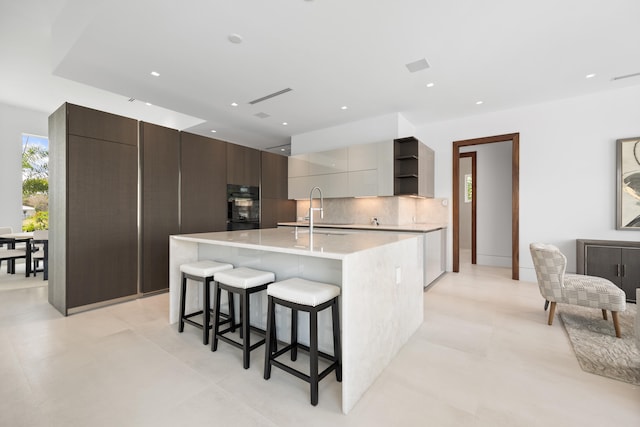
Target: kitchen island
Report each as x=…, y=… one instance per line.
x=380, y=276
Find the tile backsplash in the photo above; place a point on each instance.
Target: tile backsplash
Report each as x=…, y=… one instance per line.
x=388, y=210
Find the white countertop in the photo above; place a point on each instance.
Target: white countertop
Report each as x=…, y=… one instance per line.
x=407, y=228
x=325, y=244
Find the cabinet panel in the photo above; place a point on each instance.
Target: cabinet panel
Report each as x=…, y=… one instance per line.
x=362, y=157
x=326, y=162
x=603, y=262
x=102, y=237
x=631, y=272
x=385, y=168
x=100, y=125
x=160, y=162
x=243, y=165
x=204, y=184
x=363, y=183
x=275, y=211
x=298, y=165
x=274, y=176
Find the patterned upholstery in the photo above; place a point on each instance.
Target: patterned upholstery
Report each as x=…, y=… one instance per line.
x=587, y=291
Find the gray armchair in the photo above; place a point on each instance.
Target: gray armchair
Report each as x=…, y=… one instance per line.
x=587, y=291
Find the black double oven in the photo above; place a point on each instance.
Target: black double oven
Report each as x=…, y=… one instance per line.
x=243, y=207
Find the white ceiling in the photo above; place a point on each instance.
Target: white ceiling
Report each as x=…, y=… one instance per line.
x=506, y=53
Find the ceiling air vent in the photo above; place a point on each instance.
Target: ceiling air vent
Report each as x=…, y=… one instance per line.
x=271, y=95
x=418, y=65
x=262, y=115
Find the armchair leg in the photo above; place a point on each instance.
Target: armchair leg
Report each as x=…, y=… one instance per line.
x=604, y=314
x=552, y=312
x=546, y=304
x=616, y=325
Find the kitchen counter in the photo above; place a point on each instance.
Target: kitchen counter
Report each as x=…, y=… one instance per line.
x=409, y=228
x=380, y=275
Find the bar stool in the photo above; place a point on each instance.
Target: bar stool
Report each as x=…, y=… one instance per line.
x=312, y=297
x=202, y=271
x=244, y=282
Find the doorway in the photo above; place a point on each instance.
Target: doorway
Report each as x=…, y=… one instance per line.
x=468, y=205
x=514, y=138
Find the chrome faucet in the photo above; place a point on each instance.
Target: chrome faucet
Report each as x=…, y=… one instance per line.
x=311, y=208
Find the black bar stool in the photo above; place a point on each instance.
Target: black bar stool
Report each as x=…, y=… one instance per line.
x=202, y=271
x=244, y=282
x=312, y=297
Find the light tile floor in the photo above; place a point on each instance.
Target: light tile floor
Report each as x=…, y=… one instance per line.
x=483, y=357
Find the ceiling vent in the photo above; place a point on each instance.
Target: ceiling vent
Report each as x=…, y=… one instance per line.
x=626, y=77
x=262, y=115
x=418, y=65
x=271, y=95
x=131, y=99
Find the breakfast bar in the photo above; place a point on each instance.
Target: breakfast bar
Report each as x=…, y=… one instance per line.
x=380, y=275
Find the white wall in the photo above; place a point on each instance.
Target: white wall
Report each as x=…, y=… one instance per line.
x=14, y=121
x=375, y=129
x=567, y=166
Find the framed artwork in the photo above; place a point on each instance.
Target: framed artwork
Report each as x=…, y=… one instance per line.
x=628, y=183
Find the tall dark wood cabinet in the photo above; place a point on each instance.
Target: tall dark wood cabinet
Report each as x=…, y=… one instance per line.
x=618, y=261
x=160, y=171
x=274, y=204
x=243, y=165
x=93, y=208
x=203, y=193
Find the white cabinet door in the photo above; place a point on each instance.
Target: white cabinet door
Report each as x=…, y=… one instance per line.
x=363, y=183
x=299, y=187
x=385, y=168
x=325, y=162
x=298, y=165
x=363, y=157
x=434, y=255
x=332, y=185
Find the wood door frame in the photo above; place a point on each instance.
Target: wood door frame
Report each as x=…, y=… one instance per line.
x=515, y=197
x=472, y=155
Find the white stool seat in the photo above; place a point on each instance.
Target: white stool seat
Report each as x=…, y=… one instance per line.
x=204, y=268
x=304, y=292
x=245, y=278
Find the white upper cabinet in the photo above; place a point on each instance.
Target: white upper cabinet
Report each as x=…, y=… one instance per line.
x=365, y=170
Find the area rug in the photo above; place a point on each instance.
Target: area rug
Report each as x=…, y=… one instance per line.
x=596, y=347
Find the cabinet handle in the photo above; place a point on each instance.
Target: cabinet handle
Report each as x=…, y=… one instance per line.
x=618, y=270
x=623, y=270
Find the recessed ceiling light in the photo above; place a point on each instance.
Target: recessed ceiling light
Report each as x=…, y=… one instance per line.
x=344, y=107
x=479, y=102
x=282, y=149
x=213, y=131
x=430, y=84
x=589, y=76
x=284, y=123
x=234, y=104
x=235, y=38
x=155, y=74
x=148, y=104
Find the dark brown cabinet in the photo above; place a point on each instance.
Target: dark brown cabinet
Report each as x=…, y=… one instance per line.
x=203, y=193
x=160, y=170
x=613, y=260
x=94, y=210
x=274, y=204
x=243, y=165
